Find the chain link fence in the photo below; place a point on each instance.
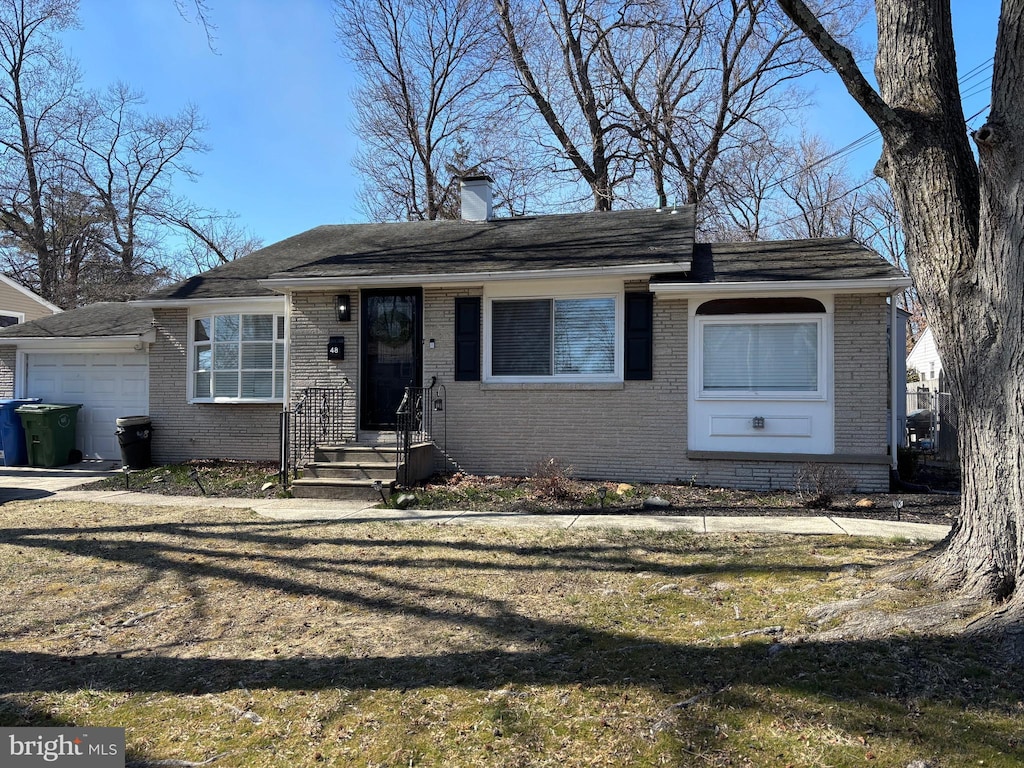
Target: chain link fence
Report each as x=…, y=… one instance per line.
x=933, y=424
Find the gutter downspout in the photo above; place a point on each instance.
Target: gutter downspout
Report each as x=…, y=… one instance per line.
x=893, y=384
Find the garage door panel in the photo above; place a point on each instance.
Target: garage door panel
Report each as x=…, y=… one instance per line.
x=45, y=386
x=134, y=389
x=75, y=388
x=104, y=386
x=111, y=361
x=42, y=360
x=102, y=423
x=107, y=386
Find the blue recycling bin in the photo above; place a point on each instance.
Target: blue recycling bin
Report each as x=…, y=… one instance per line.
x=12, y=433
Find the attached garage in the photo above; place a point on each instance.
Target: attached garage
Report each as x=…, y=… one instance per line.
x=96, y=356
x=107, y=385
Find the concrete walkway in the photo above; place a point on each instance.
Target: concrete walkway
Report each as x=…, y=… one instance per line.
x=24, y=483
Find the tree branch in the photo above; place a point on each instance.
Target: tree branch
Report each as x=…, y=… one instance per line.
x=841, y=59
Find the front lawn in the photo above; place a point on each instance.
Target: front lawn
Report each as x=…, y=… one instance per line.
x=218, y=634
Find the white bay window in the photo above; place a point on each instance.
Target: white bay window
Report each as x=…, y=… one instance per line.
x=761, y=375
x=238, y=357
x=762, y=357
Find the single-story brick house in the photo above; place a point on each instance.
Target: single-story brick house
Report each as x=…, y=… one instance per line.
x=610, y=341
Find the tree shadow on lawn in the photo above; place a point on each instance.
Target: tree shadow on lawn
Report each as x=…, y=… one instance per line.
x=879, y=679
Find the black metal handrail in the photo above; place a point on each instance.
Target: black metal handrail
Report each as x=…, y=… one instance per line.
x=316, y=417
x=414, y=423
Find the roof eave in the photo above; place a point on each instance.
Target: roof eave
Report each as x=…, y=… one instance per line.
x=40, y=341
x=621, y=270
x=887, y=285
x=218, y=300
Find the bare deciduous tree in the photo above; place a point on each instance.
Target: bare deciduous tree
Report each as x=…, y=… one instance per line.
x=127, y=160
x=555, y=50
x=745, y=207
x=36, y=86
x=85, y=179
x=820, y=193
x=423, y=66
x=211, y=238
x=704, y=80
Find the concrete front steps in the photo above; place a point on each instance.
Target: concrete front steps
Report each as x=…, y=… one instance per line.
x=349, y=471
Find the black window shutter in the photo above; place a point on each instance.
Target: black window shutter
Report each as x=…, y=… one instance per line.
x=467, y=338
x=639, y=336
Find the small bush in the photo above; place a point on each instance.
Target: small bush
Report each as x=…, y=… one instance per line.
x=552, y=479
x=819, y=484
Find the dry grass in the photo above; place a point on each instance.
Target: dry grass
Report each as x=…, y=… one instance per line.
x=277, y=644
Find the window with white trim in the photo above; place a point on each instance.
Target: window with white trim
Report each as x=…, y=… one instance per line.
x=7, y=320
x=762, y=356
x=553, y=338
x=238, y=357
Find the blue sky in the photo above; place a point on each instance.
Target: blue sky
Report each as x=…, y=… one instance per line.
x=275, y=95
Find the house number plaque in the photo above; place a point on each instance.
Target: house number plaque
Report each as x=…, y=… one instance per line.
x=336, y=348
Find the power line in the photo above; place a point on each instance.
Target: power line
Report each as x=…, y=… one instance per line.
x=801, y=215
x=978, y=71
x=869, y=138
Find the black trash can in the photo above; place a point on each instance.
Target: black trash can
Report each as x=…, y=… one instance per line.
x=134, y=434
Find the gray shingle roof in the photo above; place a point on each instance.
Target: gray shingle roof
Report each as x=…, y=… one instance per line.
x=108, y=318
x=620, y=238
x=582, y=240
x=792, y=260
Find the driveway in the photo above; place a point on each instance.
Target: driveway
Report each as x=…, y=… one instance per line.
x=18, y=483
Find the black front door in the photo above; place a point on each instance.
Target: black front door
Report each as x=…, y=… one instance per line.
x=391, y=353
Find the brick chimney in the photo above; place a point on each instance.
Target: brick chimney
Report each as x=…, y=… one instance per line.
x=477, y=197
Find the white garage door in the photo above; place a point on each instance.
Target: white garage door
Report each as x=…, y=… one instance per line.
x=107, y=385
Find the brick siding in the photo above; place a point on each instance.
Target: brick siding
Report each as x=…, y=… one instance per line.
x=313, y=321
x=860, y=374
x=8, y=364
x=182, y=430
x=634, y=430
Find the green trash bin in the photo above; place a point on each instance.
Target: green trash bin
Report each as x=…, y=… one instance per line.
x=49, y=433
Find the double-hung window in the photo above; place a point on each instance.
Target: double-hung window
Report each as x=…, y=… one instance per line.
x=238, y=357
x=572, y=338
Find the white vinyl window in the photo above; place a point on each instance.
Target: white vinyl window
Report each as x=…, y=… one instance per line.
x=238, y=357
x=779, y=357
x=537, y=339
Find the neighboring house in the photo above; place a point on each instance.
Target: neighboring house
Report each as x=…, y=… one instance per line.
x=924, y=358
x=18, y=304
x=610, y=341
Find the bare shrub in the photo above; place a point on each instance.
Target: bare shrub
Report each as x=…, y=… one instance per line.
x=819, y=484
x=552, y=479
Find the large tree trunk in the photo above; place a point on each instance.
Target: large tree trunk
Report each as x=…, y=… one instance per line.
x=980, y=318
x=964, y=230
